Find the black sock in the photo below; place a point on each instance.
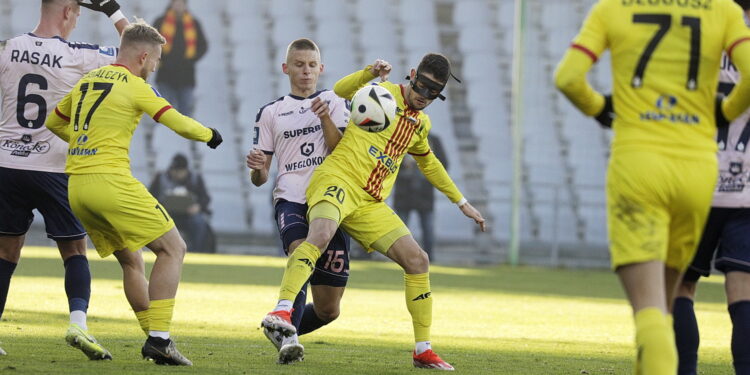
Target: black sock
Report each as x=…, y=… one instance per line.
x=78, y=282
x=6, y=271
x=310, y=321
x=740, y=314
x=299, y=306
x=687, y=336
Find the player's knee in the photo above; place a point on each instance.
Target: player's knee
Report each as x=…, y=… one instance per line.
x=418, y=263
x=320, y=238
x=328, y=312
x=10, y=248
x=72, y=248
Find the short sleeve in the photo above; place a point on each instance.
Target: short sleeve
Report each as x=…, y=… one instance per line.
x=263, y=131
x=94, y=56
x=339, y=109
x=592, y=39
x=149, y=100
x=736, y=31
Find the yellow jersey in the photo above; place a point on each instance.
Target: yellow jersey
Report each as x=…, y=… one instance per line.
x=665, y=63
x=99, y=116
x=371, y=160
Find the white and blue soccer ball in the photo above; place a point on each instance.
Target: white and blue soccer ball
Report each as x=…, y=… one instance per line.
x=373, y=108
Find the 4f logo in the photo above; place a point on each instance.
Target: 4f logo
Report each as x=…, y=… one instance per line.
x=422, y=296
x=307, y=149
x=307, y=262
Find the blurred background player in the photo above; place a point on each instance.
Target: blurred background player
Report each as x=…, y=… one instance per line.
x=38, y=69
x=183, y=193
x=186, y=44
x=301, y=129
x=725, y=237
x=413, y=192
x=98, y=118
x=350, y=187
x=665, y=60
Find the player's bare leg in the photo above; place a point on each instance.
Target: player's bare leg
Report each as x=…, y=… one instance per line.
x=646, y=289
x=135, y=284
x=10, y=254
x=170, y=251
x=300, y=266
x=416, y=264
x=78, y=290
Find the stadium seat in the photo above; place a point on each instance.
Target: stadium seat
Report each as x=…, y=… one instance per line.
x=472, y=13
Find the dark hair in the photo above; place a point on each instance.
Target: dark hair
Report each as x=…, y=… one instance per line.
x=437, y=65
x=179, y=161
x=745, y=4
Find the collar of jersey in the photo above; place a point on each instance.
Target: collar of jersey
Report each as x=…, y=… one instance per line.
x=54, y=37
x=303, y=98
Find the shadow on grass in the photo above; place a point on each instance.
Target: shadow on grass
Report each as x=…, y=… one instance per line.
x=214, y=353
x=388, y=276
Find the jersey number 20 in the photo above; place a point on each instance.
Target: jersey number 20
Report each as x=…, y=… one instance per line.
x=664, y=21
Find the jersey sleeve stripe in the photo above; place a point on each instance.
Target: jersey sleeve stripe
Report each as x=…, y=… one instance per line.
x=61, y=115
x=585, y=50
x=425, y=154
x=735, y=44
x=158, y=115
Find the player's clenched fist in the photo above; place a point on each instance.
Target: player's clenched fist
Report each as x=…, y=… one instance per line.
x=108, y=7
x=256, y=159
x=381, y=68
x=215, y=140
x=320, y=108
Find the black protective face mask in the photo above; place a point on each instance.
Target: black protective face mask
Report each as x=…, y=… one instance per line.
x=428, y=88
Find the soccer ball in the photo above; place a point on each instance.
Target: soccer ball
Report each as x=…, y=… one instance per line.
x=373, y=108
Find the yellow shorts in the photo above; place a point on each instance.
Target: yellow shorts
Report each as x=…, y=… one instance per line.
x=372, y=223
x=657, y=207
x=117, y=212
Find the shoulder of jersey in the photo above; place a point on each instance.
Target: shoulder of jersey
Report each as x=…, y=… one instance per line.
x=260, y=111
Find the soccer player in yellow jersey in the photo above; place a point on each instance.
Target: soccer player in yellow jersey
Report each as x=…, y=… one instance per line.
x=662, y=170
x=98, y=119
x=349, y=188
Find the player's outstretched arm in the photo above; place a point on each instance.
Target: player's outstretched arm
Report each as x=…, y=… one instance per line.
x=189, y=128
x=111, y=9
x=347, y=86
x=259, y=164
x=474, y=214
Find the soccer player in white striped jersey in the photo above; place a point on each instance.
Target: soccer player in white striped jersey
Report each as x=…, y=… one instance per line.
x=301, y=129
x=725, y=240
x=36, y=70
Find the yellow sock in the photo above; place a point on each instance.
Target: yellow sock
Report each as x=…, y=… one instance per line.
x=419, y=304
x=143, y=320
x=299, y=267
x=160, y=311
x=654, y=337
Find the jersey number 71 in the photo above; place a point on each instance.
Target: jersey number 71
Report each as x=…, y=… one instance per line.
x=664, y=21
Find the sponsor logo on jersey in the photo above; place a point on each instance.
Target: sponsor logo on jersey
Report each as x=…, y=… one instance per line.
x=387, y=161
x=732, y=180
x=36, y=58
x=303, y=131
x=24, y=147
x=80, y=150
x=83, y=138
x=302, y=110
x=665, y=105
x=309, y=162
x=307, y=148
x=286, y=113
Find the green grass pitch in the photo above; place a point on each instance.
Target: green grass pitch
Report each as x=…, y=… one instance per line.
x=496, y=320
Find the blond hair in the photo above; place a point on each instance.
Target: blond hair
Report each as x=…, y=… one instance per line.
x=141, y=32
x=302, y=44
